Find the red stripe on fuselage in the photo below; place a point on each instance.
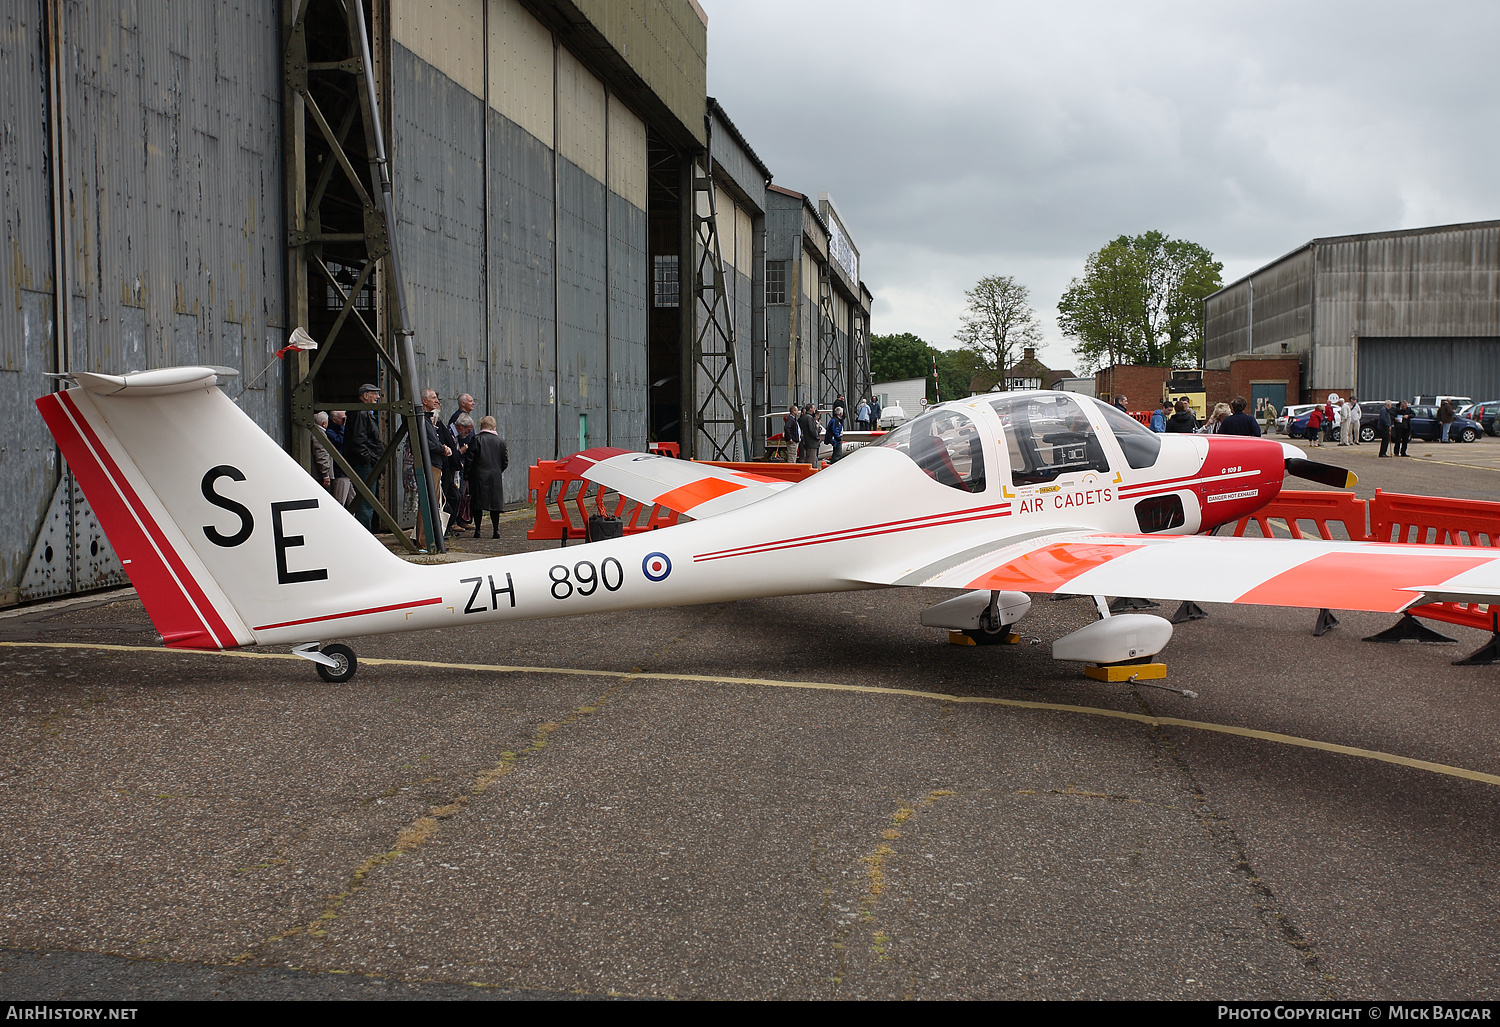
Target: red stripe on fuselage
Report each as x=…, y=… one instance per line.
x=887, y=528
x=352, y=613
x=176, y=604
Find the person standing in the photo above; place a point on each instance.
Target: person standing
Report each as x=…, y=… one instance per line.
x=362, y=448
x=438, y=452
x=1120, y=404
x=791, y=434
x=836, y=433
x=484, y=469
x=1182, y=421
x=1315, y=426
x=1383, y=427
x=1352, y=417
x=807, y=430
x=874, y=413
x=1330, y=416
x=1159, y=417
x=862, y=415
x=322, y=462
x=1238, y=422
x=1401, y=428
x=1445, y=418
x=463, y=435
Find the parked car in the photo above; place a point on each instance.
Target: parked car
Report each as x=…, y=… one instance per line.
x=892, y=416
x=1425, y=426
x=1432, y=401
x=1369, y=417
x=1291, y=411
x=1487, y=414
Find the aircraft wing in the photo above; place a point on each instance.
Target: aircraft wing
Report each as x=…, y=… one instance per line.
x=698, y=490
x=1270, y=572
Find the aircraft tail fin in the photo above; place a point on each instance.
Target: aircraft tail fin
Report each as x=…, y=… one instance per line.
x=222, y=534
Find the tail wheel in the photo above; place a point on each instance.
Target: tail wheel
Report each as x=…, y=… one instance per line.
x=345, y=662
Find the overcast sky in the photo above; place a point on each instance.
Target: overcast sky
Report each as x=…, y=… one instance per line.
x=968, y=139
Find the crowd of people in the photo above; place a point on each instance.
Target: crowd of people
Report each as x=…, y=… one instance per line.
x=804, y=432
x=1177, y=417
x=468, y=458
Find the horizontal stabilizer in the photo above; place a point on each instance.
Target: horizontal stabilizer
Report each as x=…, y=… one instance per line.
x=691, y=488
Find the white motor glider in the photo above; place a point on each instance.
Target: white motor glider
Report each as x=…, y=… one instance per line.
x=229, y=543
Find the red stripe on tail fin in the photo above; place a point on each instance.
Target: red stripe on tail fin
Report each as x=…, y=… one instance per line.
x=176, y=604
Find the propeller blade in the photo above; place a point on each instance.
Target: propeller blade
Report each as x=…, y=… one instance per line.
x=1323, y=474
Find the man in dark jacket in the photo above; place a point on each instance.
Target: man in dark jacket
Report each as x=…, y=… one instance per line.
x=791, y=433
x=1383, y=427
x=1239, y=422
x=1183, y=421
x=1401, y=428
x=362, y=447
x=807, y=426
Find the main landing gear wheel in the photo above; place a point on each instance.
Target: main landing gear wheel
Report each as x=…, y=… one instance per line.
x=344, y=664
x=987, y=635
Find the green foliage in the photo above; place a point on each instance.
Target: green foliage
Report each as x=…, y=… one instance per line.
x=998, y=323
x=895, y=358
x=955, y=370
x=1140, y=301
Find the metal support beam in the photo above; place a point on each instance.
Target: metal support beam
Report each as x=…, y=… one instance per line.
x=719, y=426
x=341, y=250
x=830, y=356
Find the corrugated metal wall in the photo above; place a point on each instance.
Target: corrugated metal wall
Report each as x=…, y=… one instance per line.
x=1327, y=299
x=513, y=304
x=1404, y=368
x=1281, y=297
x=1433, y=284
x=173, y=179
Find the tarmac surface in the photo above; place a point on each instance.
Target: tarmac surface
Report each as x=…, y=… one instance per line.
x=810, y=797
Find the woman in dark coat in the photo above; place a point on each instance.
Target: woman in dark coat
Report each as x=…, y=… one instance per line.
x=482, y=468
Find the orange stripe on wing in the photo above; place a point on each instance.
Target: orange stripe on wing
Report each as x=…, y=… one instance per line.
x=1361, y=581
x=1050, y=568
x=685, y=497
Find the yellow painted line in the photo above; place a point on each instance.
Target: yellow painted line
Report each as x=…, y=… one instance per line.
x=828, y=686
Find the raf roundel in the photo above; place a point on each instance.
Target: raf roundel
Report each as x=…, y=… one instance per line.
x=656, y=566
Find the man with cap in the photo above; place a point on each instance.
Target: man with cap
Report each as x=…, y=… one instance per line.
x=362, y=447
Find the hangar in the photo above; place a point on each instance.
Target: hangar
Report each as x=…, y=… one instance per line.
x=1385, y=315
x=576, y=235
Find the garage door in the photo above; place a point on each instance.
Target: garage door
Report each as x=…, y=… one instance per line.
x=1403, y=368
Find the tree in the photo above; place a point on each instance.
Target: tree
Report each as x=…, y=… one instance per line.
x=956, y=369
x=1140, y=301
x=895, y=358
x=999, y=319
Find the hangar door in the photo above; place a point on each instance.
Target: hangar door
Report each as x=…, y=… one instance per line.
x=1403, y=368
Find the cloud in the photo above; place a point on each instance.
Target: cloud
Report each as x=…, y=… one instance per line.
x=966, y=139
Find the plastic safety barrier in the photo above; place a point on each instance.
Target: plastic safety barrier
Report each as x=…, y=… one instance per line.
x=1322, y=508
x=1395, y=517
x=564, y=500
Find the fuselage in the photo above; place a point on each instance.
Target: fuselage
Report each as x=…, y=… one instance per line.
x=987, y=470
